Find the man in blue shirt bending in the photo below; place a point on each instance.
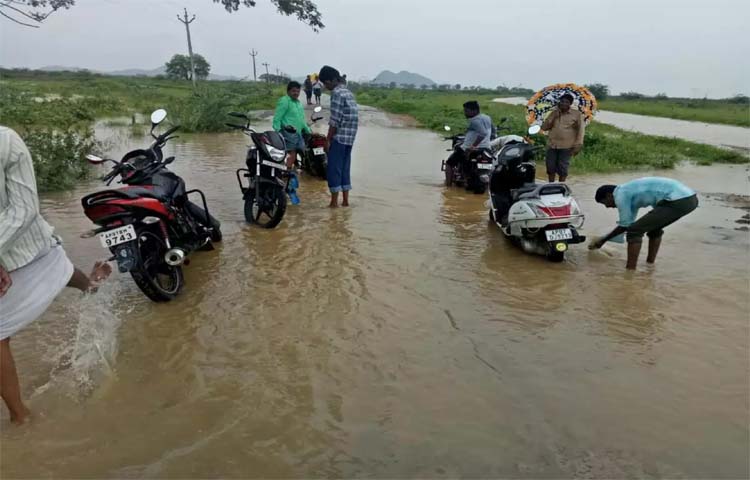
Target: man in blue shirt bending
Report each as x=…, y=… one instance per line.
x=670, y=199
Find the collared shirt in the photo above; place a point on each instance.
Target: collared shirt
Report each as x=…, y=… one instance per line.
x=290, y=112
x=344, y=115
x=23, y=232
x=566, y=130
x=646, y=192
x=479, y=126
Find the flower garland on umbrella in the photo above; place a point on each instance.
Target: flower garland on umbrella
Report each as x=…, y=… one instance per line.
x=545, y=100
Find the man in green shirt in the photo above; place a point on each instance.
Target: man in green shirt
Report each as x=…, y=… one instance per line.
x=289, y=120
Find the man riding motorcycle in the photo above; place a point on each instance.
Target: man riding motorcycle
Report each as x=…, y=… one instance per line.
x=478, y=136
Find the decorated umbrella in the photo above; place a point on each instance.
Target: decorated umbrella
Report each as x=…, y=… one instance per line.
x=545, y=100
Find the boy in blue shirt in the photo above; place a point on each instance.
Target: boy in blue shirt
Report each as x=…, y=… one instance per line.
x=670, y=199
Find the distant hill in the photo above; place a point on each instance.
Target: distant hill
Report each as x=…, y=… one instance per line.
x=386, y=77
x=129, y=72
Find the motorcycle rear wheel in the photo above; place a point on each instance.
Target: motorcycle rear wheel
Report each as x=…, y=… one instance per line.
x=157, y=280
x=271, y=211
x=556, y=257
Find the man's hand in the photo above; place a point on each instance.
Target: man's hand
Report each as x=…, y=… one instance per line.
x=5, y=281
x=576, y=150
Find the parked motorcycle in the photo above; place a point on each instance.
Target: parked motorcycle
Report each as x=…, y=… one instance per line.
x=472, y=174
x=149, y=225
x=315, y=159
x=266, y=173
x=540, y=218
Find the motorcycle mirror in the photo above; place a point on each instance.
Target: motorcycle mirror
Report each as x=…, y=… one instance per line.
x=318, y=109
x=447, y=128
x=158, y=116
x=93, y=159
x=534, y=129
x=168, y=160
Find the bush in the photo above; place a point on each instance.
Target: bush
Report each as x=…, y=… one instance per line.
x=632, y=95
x=59, y=156
x=599, y=90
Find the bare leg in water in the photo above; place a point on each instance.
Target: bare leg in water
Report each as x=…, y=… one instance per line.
x=10, y=388
x=334, y=200
x=345, y=202
x=653, y=249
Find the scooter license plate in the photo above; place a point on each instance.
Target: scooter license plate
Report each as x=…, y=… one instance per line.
x=319, y=151
x=110, y=238
x=560, y=234
x=484, y=166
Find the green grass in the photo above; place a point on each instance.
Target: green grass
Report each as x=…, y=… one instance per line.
x=698, y=110
x=55, y=112
x=606, y=148
x=65, y=99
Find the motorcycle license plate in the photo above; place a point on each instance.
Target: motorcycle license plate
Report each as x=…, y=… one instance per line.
x=280, y=166
x=560, y=234
x=110, y=238
x=319, y=151
x=484, y=166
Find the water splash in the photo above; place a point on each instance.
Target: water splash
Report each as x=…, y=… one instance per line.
x=88, y=358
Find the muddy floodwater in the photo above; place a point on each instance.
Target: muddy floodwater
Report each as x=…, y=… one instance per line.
x=401, y=337
x=727, y=136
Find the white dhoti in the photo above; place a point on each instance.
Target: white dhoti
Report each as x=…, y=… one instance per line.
x=34, y=288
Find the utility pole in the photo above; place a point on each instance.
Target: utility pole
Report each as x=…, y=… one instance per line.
x=266, y=64
x=254, y=54
x=187, y=23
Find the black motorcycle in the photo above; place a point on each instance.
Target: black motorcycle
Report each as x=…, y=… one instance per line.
x=266, y=173
x=149, y=225
x=473, y=173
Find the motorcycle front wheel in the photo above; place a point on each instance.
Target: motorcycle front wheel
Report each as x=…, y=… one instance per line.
x=267, y=211
x=157, y=280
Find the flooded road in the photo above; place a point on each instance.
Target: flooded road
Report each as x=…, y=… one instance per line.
x=728, y=136
x=402, y=337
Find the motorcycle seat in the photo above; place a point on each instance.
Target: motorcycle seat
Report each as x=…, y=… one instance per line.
x=140, y=192
x=524, y=191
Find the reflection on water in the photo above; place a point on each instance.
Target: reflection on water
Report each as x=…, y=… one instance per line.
x=402, y=337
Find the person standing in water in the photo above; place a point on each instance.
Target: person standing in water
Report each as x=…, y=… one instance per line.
x=342, y=131
x=289, y=120
x=566, y=129
x=670, y=201
x=308, y=89
x=33, y=265
x=317, y=91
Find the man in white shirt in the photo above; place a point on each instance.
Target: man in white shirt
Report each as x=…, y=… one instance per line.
x=33, y=265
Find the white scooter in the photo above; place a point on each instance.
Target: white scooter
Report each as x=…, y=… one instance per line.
x=540, y=218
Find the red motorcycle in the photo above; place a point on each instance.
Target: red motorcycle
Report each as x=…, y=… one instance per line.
x=315, y=159
x=149, y=225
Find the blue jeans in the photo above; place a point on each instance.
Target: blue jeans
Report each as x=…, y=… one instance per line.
x=339, y=167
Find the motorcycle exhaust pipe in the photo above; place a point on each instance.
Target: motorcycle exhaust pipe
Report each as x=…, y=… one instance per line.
x=175, y=257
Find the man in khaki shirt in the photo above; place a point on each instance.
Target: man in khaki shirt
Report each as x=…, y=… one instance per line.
x=566, y=128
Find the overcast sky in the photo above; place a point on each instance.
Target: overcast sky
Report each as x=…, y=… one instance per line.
x=681, y=47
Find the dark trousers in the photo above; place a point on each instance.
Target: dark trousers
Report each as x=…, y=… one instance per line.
x=663, y=214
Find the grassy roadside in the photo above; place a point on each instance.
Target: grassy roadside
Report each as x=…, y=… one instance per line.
x=607, y=149
x=726, y=112
x=55, y=112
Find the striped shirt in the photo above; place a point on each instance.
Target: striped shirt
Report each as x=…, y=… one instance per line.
x=344, y=115
x=23, y=232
